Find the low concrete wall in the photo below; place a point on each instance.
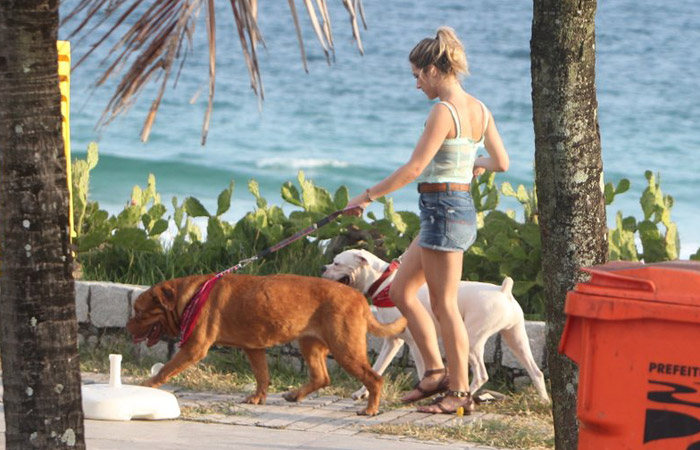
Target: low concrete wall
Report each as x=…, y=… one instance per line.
x=104, y=308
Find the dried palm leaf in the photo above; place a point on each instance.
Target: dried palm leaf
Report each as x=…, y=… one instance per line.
x=328, y=33
x=353, y=21
x=361, y=9
x=298, y=30
x=161, y=34
x=314, y=22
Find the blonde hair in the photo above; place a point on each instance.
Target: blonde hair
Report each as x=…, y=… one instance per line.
x=444, y=51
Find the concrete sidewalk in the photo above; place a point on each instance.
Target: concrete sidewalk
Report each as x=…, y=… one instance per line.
x=217, y=421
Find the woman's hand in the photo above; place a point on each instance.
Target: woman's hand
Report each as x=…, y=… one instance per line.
x=478, y=169
x=356, y=206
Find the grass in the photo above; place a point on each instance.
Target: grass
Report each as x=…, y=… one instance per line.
x=96, y=358
x=223, y=408
x=509, y=432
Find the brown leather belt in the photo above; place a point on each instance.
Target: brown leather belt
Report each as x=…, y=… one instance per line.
x=442, y=187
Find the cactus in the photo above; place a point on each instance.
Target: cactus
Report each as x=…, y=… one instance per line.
x=484, y=192
x=81, y=181
x=610, y=190
x=656, y=207
x=526, y=198
x=621, y=245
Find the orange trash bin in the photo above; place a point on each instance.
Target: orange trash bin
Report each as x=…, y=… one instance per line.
x=634, y=331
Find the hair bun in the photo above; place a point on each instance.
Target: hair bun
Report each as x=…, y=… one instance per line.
x=445, y=52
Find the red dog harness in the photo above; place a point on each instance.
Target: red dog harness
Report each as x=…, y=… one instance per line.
x=382, y=299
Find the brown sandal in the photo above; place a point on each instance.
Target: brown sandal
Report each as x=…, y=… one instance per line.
x=441, y=387
x=466, y=403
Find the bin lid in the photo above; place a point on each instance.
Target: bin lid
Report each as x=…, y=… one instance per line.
x=675, y=282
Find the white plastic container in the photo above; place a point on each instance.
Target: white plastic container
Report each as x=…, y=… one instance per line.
x=115, y=401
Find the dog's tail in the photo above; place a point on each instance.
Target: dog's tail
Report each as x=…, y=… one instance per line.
x=383, y=330
x=507, y=287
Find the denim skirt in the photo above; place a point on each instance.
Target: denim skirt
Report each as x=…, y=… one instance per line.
x=447, y=221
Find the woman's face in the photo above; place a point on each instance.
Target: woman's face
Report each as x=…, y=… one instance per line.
x=425, y=80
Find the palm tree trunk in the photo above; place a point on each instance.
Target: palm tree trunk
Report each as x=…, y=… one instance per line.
x=40, y=370
x=568, y=176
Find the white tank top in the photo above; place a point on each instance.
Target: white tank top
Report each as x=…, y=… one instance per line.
x=454, y=160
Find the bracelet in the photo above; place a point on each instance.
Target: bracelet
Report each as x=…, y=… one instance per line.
x=369, y=197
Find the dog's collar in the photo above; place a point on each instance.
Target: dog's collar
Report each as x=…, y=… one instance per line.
x=372, y=291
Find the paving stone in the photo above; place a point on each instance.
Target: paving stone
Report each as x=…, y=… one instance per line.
x=276, y=399
x=318, y=417
x=385, y=417
x=409, y=418
x=320, y=401
x=240, y=419
x=340, y=419
x=347, y=404
x=285, y=417
x=434, y=419
x=350, y=431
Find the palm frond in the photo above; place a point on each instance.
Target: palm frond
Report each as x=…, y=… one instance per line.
x=317, y=28
x=350, y=6
x=162, y=34
x=299, y=37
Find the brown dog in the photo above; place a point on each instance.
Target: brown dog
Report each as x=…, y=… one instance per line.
x=256, y=312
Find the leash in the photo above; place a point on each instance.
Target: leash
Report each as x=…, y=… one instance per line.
x=194, y=306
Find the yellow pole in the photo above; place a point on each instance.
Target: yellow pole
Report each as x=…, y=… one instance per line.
x=64, y=85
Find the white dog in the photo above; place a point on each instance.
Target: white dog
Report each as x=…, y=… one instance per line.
x=486, y=309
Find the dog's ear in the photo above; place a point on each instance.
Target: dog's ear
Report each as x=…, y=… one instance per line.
x=165, y=295
x=361, y=260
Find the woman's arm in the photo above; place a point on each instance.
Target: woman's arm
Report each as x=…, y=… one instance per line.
x=436, y=129
x=498, y=160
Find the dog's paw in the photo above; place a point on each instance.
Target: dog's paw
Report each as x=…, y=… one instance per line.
x=151, y=383
x=291, y=396
x=368, y=412
x=255, y=399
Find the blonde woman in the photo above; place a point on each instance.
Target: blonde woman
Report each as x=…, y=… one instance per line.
x=443, y=162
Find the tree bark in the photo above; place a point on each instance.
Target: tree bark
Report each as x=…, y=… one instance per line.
x=568, y=175
x=40, y=368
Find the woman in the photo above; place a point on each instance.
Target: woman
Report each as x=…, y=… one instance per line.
x=443, y=162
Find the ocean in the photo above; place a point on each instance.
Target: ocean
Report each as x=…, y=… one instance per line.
x=353, y=122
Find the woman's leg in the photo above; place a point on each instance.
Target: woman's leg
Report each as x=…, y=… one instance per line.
x=408, y=279
x=443, y=271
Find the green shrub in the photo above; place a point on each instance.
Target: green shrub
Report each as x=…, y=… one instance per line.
x=130, y=248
